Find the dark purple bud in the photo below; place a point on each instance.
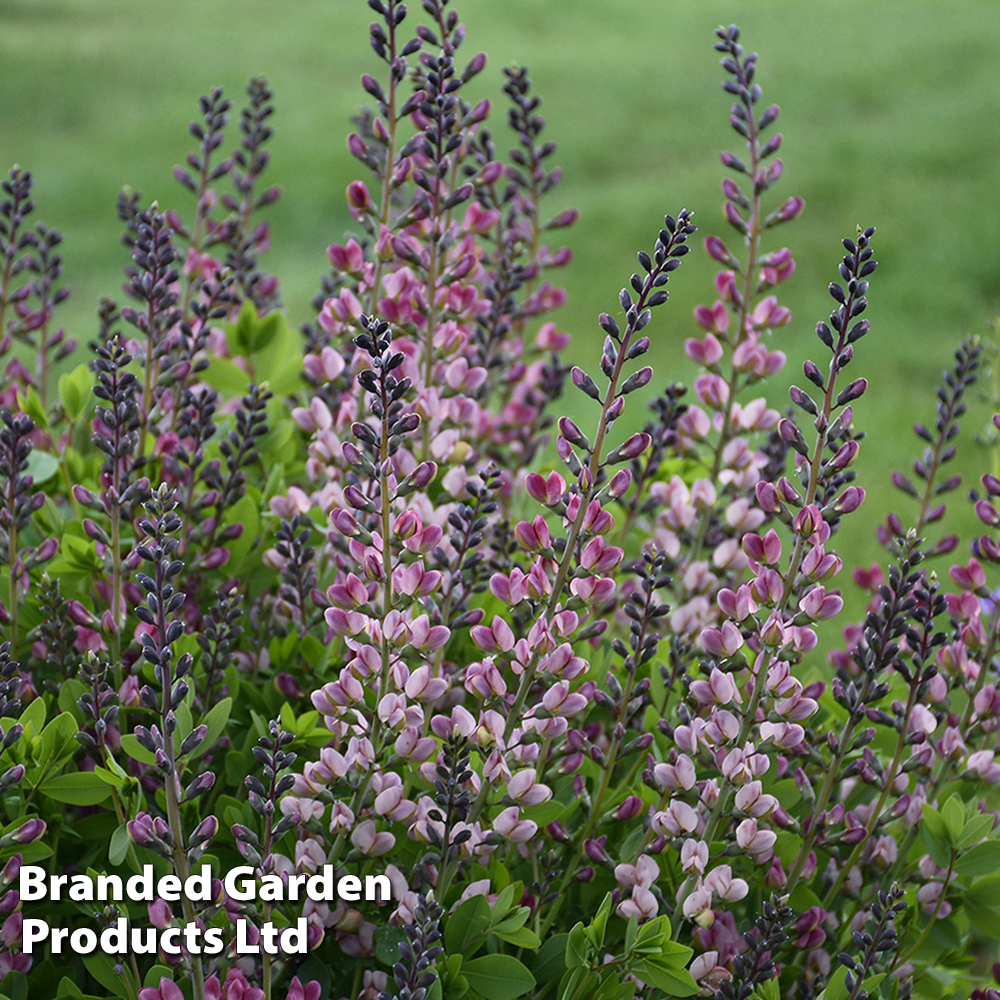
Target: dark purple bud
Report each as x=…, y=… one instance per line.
x=357, y=499
x=854, y=391
x=636, y=381
x=205, y=830
x=630, y=808
x=585, y=383
x=902, y=483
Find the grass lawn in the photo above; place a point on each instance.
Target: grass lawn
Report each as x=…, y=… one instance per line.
x=890, y=117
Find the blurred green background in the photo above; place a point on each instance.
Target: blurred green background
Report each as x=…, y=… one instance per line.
x=890, y=114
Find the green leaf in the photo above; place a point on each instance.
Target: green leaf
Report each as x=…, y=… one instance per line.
x=980, y=860
x=81, y=788
x=631, y=934
x=156, y=973
x=614, y=990
x=600, y=922
x=768, y=990
x=215, y=722
x=136, y=750
x=523, y=937
x=74, y=392
x=498, y=977
x=546, y=813
x=68, y=990
x=245, y=512
x=109, y=777
x=118, y=846
x=871, y=983
x=503, y=903
x=33, y=716
x=240, y=335
x=387, y=941
x=229, y=379
x=102, y=968
x=934, y=835
x=577, y=981
x=466, y=924
x=514, y=920
x=577, y=947
x=59, y=738
x=41, y=466
x=458, y=985
x=836, y=988
x=31, y=404
x=551, y=960
x=676, y=982
x=953, y=815
x=981, y=901
x=69, y=697
x=975, y=829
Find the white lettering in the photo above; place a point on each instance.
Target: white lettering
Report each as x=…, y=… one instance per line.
x=32, y=886
x=349, y=888
x=385, y=888
x=32, y=930
x=242, y=892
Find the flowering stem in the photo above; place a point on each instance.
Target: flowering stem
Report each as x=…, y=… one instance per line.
x=890, y=780
x=587, y=483
x=752, y=237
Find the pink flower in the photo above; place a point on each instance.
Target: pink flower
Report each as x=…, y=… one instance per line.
x=547, y=491
x=167, y=990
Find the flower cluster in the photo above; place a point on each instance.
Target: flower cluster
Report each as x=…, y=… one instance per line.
x=367, y=601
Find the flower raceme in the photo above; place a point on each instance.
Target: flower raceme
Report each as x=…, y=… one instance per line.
x=531, y=665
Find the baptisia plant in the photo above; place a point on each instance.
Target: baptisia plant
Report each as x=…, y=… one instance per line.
x=390, y=605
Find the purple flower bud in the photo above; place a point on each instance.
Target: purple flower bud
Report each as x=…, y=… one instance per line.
x=45, y=551
x=572, y=432
x=790, y=209
x=12, y=869
x=345, y=522
x=850, y=500
x=767, y=497
x=85, y=498
x=630, y=808
x=585, y=383
x=206, y=829
x=490, y=173
x=423, y=475
x=636, y=445
x=288, y=686
x=160, y=914
x=358, y=197
x=217, y=557
x=986, y=513
x=563, y=219
x=620, y=483
x=716, y=249
x=28, y=833
x=733, y=162
x=615, y=409
x=356, y=498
